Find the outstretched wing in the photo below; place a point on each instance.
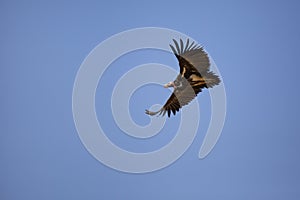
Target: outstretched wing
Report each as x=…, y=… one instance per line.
x=192, y=58
x=179, y=99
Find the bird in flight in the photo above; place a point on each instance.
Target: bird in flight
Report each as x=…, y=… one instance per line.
x=194, y=75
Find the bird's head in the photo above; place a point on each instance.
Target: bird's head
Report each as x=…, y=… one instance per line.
x=170, y=84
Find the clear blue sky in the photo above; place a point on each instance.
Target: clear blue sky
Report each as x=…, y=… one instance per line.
x=256, y=47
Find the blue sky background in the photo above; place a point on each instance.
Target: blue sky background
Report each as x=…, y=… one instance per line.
x=255, y=45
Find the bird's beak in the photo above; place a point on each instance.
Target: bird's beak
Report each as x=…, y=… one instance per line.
x=170, y=84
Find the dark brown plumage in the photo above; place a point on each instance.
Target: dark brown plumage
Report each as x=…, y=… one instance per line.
x=194, y=76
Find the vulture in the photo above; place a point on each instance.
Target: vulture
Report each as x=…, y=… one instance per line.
x=194, y=75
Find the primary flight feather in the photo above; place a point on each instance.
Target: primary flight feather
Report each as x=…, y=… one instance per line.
x=194, y=75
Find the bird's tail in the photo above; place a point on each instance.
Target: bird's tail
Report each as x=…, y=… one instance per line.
x=211, y=79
